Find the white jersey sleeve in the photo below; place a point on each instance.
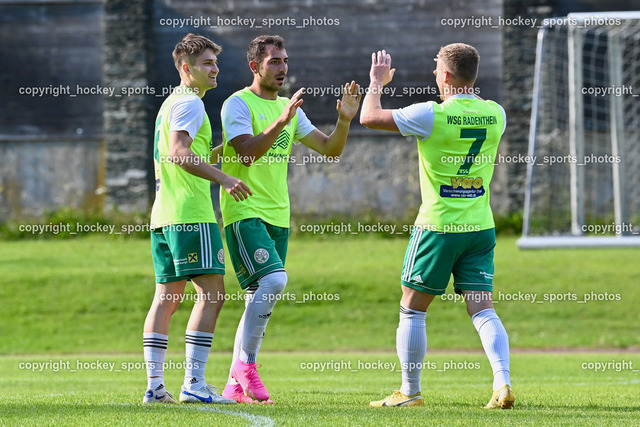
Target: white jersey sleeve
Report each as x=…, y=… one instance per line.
x=305, y=127
x=236, y=118
x=415, y=120
x=504, y=118
x=187, y=114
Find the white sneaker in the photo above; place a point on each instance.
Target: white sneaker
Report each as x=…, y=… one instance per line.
x=160, y=395
x=206, y=394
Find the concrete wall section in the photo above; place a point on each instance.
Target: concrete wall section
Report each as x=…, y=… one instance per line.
x=375, y=174
x=44, y=175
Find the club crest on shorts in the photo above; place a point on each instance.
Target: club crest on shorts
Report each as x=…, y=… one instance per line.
x=193, y=257
x=261, y=256
x=221, y=256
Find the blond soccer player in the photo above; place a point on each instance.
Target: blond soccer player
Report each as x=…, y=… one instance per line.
x=454, y=232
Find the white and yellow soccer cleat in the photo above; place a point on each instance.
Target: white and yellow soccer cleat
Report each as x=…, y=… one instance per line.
x=502, y=399
x=399, y=399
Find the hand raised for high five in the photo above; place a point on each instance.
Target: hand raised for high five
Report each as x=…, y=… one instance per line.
x=381, y=71
x=348, y=106
x=291, y=108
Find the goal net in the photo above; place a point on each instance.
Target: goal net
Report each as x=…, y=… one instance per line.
x=583, y=164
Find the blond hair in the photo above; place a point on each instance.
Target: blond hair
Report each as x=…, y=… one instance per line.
x=461, y=60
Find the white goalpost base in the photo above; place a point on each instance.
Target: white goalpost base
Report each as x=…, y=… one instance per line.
x=559, y=242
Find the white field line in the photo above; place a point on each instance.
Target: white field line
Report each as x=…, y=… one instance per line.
x=255, y=420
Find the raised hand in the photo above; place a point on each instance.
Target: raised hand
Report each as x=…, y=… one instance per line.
x=292, y=106
x=348, y=106
x=381, y=71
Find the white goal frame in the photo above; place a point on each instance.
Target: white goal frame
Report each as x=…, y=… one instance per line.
x=575, y=43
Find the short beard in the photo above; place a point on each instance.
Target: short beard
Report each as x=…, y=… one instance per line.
x=269, y=87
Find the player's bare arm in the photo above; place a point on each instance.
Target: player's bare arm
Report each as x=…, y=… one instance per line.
x=182, y=155
x=373, y=115
x=250, y=148
x=347, y=108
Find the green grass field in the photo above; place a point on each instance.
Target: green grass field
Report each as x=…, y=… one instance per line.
x=81, y=301
x=551, y=389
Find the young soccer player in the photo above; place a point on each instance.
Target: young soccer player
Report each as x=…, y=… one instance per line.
x=454, y=231
x=185, y=241
x=259, y=129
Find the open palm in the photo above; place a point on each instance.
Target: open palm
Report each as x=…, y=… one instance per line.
x=348, y=106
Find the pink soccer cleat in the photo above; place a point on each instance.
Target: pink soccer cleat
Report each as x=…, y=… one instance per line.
x=247, y=375
x=235, y=392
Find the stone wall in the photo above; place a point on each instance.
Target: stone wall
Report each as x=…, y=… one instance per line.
x=330, y=43
x=93, y=151
x=128, y=120
x=519, y=53
x=376, y=174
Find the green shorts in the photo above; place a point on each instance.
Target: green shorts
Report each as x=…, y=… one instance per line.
x=256, y=248
x=183, y=251
x=432, y=257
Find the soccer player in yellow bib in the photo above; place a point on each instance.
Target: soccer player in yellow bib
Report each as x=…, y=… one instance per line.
x=259, y=129
x=185, y=239
x=454, y=232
